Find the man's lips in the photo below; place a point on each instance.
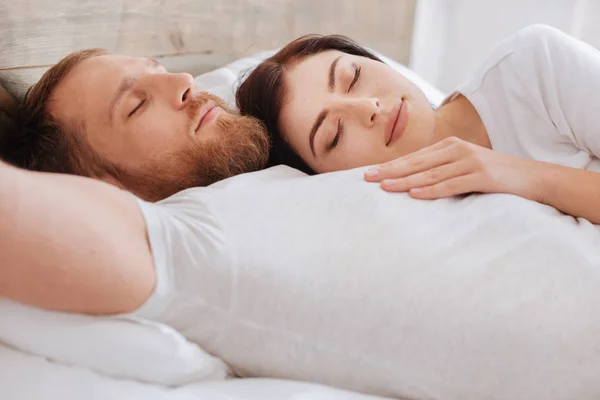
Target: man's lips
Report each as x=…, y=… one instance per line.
x=208, y=113
x=397, y=123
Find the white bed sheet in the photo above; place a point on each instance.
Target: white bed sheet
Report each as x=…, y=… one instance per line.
x=28, y=377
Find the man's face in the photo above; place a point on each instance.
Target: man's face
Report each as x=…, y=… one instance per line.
x=160, y=133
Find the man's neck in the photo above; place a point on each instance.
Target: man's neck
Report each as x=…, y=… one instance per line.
x=460, y=119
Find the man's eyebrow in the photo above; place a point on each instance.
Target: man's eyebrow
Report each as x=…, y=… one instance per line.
x=154, y=62
x=125, y=85
x=318, y=122
x=332, y=74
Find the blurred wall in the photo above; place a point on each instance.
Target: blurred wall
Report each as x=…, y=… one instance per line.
x=451, y=37
x=191, y=35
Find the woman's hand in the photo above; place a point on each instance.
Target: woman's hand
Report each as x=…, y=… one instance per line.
x=453, y=167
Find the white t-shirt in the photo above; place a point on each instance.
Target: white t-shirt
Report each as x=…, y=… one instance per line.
x=329, y=279
x=538, y=95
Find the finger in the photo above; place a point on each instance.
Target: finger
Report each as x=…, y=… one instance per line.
x=410, y=165
x=434, y=147
x=451, y=187
x=427, y=178
x=448, y=142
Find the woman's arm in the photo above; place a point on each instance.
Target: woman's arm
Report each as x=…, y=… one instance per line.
x=454, y=166
x=571, y=190
x=71, y=244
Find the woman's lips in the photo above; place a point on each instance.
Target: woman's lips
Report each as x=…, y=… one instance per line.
x=397, y=123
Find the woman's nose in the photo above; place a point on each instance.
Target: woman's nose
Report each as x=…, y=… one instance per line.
x=366, y=109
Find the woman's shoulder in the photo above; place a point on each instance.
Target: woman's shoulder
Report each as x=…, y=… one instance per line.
x=539, y=40
x=528, y=54
x=539, y=33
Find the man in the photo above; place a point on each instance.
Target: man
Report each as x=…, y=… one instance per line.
x=125, y=121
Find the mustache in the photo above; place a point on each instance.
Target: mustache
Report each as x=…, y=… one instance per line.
x=198, y=101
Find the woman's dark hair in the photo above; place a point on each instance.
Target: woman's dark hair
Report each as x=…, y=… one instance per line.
x=263, y=91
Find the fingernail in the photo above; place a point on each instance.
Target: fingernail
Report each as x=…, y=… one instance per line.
x=373, y=172
x=388, y=182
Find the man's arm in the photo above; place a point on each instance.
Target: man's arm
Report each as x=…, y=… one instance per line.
x=72, y=244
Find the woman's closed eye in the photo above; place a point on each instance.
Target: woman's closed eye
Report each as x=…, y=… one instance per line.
x=340, y=127
x=137, y=107
x=357, y=71
x=337, y=137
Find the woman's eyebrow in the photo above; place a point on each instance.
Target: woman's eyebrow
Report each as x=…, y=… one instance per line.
x=332, y=74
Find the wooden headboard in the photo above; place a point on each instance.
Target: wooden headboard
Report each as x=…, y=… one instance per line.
x=186, y=35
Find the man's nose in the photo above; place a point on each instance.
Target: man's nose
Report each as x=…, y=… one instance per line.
x=180, y=89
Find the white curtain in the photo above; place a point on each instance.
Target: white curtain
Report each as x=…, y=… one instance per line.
x=451, y=37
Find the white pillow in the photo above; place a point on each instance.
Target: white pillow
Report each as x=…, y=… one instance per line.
x=223, y=82
x=116, y=347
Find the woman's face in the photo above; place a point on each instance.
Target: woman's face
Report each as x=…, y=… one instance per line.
x=343, y=111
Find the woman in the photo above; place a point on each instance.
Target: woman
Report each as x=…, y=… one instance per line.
x=525, y=123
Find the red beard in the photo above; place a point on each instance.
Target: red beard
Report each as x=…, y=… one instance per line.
x=242, y=146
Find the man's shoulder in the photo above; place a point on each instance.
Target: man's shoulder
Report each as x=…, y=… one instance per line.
x=272, y=174
x=231, y=190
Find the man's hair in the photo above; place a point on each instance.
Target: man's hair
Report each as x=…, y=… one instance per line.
x=38, y=140
x=262, y=93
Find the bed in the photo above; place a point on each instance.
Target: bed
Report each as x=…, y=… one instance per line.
x=448, y=309
x=195, y=36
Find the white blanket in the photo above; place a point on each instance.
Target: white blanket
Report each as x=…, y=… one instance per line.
x=46, y=355
x=28, y=377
